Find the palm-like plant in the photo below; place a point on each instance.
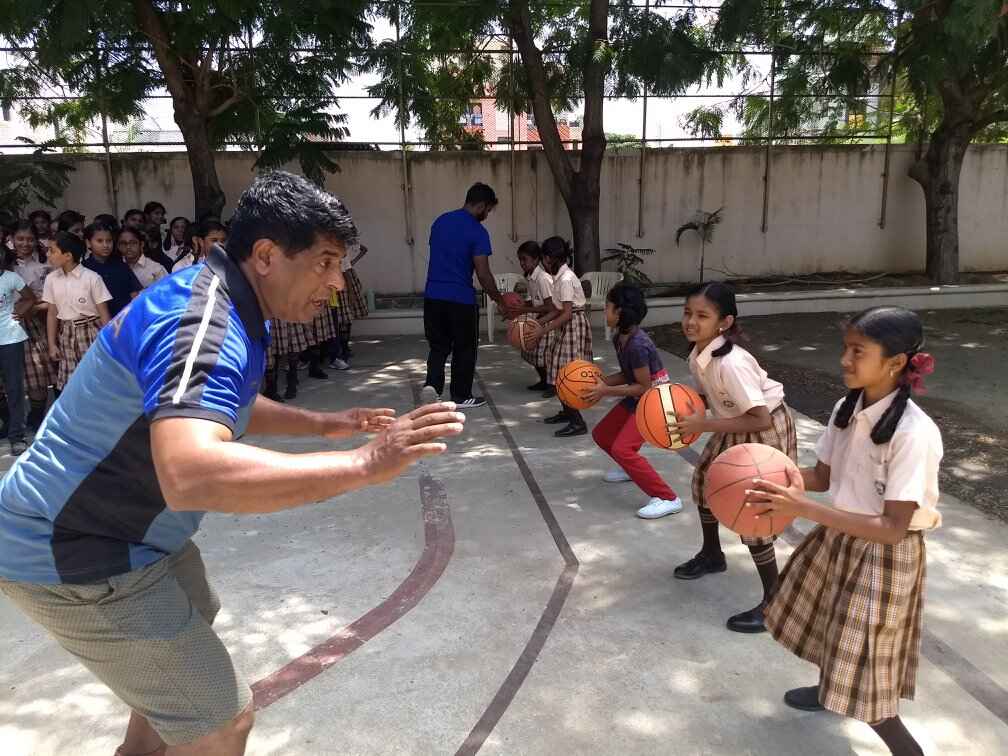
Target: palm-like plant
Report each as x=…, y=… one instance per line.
x=703, y=223
x=628, y=261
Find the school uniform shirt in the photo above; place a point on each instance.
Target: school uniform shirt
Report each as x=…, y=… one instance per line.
x=734, y=383
x=638, y=351
x=33, y=272
x=119, y=279
x=76, y=293
x=455, y=239
x=567, y=288
x=864, y=475
x=11, y=286
x=83, y=503
x=147, y=271
x=540, y=286
x=160, y=258
x=187, y=260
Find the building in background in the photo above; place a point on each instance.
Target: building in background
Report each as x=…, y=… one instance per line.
x=486, y=119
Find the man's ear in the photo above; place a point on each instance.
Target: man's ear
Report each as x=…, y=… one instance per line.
x=264, y=254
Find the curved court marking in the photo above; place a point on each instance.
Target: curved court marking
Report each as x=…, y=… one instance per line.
x=439, y=543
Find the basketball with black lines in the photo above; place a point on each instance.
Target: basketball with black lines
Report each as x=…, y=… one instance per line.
x=524, y=332
x=732, y=473
x=574, y=380
x=661, y=407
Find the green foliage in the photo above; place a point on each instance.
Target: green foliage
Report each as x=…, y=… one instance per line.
x=614, y=141
x=26, y=180
x=703, y=223
x=629, y=260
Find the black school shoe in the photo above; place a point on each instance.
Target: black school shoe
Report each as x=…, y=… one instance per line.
x=572, y=429
x=540, y=386
x=699, y=566
x=804, y=699
x=550, y=392
x=559, y=417
x=748, y=622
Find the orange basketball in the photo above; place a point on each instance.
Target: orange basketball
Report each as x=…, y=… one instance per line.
x=574, y=379
x=524, y=332
x=511, y=300
x=732, y=473
x=660, y=407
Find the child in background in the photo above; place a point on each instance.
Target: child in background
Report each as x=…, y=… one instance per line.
x=108, y=220
x=154, y=213
x=851, y=597
x=16, y=299
x=134, y=218
x=38, y=372
x=573, y=339
x=202, y=238
x=347, y=306
x=77, y=299
x=130, y=245
x=540, y=292
x=640, y=369
x=72, y=221
x=107, y=263
x=747, y=407
x=176, y=241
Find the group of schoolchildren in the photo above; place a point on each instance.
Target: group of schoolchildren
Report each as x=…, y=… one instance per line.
x=849, y=599
x=64, y=279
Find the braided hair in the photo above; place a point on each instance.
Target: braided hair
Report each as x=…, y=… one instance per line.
x=630, y=302
x=722, y=296
x=897, y=331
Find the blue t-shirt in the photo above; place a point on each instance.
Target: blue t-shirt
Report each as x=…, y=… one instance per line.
x=639, y=351
x=119, y=280
x=455, y=239
x=11, y=286
x=84, y=503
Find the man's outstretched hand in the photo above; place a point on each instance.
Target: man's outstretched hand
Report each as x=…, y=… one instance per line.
x=408, y=438
x=357, y=420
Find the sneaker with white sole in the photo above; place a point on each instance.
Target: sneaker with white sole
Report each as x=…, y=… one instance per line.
x=471, y=403
x=616, y=476
x=429, y=395
x=337, y=364
x=659, y=508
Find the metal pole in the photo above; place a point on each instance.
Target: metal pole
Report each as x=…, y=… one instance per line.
x=511, y=139
x=643, y=150
x=769, y=144
x=406, y=188
x=888, y=143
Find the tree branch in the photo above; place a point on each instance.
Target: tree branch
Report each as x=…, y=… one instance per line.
x=150, y=23
x=226, y=105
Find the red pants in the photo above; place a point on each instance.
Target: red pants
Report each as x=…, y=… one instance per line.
x=617, y=436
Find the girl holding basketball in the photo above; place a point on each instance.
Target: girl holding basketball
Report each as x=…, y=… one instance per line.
x=540, y=292
x=850, y=599
x=747, y=407
x=640, y=369
x=567, y=327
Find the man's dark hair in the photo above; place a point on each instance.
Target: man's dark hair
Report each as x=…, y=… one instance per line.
x=290, y=211
x=481, y=193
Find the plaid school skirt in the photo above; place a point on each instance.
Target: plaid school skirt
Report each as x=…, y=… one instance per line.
x=325, y=326
x=572, y=342
x=854, y=608
x=74, y=339
x=355, y=295
x=288, y=338
x=37, y=365
x=781, y=435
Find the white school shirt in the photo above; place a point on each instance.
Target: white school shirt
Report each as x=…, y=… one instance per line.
x=864, y=475
x=567, y=288
x=186, y=261
x=11, y=286
x=540, y=286
x=33, y=272
x=734, y=383
x=147, y=271
x=76, y=293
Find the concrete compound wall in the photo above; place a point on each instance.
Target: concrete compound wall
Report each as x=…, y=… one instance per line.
x=823, y=211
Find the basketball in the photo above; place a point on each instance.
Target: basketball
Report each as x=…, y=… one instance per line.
x=574, y=379
x=511, y=301
x=524, y=332
x=660, y=407
x=732, y=473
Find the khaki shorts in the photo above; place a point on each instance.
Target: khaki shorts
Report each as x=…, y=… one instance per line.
x=146, y=634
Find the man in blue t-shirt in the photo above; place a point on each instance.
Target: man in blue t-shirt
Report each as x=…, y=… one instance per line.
x=459, y=245
x=96, y=518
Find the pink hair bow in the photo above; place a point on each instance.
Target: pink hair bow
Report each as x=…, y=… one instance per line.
x=921, y=365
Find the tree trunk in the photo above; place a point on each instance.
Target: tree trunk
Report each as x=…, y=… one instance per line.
x=207, y=193
x=938, y=174
x=583, y=210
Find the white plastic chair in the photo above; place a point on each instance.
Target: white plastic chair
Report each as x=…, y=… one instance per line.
x=600, y=282
x=505, y=282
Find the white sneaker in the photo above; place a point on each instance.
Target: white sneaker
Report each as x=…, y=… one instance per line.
x=659, y=508
x=337, y=364
x=428, y=395
x=616, y=476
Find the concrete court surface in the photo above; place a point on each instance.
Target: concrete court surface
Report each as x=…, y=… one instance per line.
x=450, y=612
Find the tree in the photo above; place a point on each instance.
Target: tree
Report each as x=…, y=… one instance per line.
x=830, y=60
x=25, y=179
x=564, y=53
x=254, y=72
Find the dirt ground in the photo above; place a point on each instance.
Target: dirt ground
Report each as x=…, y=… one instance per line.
x=965, y=394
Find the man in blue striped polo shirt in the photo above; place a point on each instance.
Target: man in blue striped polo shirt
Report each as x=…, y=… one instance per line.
x=96, y=518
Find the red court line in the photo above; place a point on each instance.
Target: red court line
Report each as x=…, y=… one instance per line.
x=439, y=543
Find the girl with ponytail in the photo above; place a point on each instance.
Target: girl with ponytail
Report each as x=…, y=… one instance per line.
x=850, y=599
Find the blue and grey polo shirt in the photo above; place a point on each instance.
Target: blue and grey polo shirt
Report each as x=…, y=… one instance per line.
x=83, y=503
